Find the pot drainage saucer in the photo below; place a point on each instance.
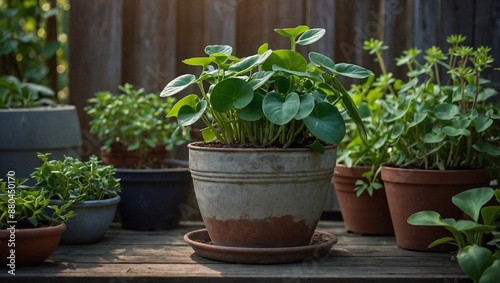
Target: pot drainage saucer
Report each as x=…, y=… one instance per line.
x=201, y=244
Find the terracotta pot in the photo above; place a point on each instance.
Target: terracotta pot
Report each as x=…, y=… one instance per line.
x=260, y=197
x=365, y=214
x=410, y=190
x=32, y=246
x=120, y=157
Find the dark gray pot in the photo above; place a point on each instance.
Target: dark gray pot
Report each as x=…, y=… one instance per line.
x=151, y=197
x=24, y=132
x=91, y=222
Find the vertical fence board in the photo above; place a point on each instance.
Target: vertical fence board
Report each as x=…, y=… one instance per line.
x=487, y=32
x=321, y=14
x=220, y=22
x=426, y=18
x=149, y=43
x=95, y=36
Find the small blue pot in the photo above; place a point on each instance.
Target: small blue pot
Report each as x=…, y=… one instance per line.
x=91, y=222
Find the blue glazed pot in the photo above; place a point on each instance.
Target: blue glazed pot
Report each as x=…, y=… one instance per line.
x=91, y=222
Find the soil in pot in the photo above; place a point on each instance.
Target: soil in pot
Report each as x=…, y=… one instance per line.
x=367, y=215
x=411, y=190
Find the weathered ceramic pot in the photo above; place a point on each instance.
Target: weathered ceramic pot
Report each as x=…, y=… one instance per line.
x=367, y=215
x=32, y=246
x=91, y=222
x=260, y=197
x=410, y=190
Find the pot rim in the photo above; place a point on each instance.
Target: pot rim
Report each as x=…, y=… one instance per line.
x=41, y=231
x=197, y=146
x=92, y=203
x=58, y=107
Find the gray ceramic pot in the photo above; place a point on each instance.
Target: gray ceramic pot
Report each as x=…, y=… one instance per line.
x=92, y=221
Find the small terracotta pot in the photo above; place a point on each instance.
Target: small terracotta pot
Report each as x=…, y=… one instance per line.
x=368, y=215
x=120, y=157
x=32, y=246
x=411, y=190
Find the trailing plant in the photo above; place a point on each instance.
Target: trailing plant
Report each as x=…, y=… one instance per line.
x=466, y=232
x=72, y=180
x=446, y=122
x=29, y=207
x=275, y=98
x=136, y=120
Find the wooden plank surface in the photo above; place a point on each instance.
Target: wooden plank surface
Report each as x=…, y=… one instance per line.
x=162, y=256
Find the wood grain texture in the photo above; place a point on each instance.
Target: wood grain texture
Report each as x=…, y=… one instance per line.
x=163, y=256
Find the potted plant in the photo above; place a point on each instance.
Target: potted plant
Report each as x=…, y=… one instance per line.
x=34, y=120
x=262, y=174
x=89, y=187
x=446, y=136
x=356, y=179
x=468, y=235
x=137, y=136
x=30, y=228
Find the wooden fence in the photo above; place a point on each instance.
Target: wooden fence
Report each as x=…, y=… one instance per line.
x=143, y=42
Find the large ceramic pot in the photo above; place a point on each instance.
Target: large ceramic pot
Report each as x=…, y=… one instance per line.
x=260, y=197
x=27, y=131
x=91, y=222
x=409, y=191
x=368, y=215
x=151, y=197
x=32, y=246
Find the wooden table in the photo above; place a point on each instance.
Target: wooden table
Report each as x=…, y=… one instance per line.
x=126, y=256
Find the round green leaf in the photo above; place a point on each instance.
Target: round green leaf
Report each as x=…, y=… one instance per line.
x=247, y=63
x=229, y=93
x=474, y=260
x=326, y=123
x=483, y=123
x=224, y=49
x=492, y=273
x=279, y=109
x=446, y=111
x=292, y=33
x=190, y=100
x=453, y=132
x=306, y=106
x=253, y=111
x=472, y=200
x=287, y=59
x=260, y=78
x=178, y=84
x=321, y=60
x=188, y=115
x=426, y=218
x=198, y=61
x=434, y=137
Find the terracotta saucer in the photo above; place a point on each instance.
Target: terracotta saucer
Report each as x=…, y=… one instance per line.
x=201, y=244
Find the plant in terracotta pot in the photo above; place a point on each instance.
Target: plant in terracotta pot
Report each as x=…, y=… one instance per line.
x=262, y=174
x=446, y=136
x=30, y=227
x=36, y=122
x=356, y=178
x=137, y=136
x=89, y=187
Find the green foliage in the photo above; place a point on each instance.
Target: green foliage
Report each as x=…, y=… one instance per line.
x=16, y=94
x=446, y=123
x=75, y=181
x=479, y=263
x=272, y=98
x=134, y=119
x=468, y=231
x=25, y=50
x=30, y=207
x=372, y=98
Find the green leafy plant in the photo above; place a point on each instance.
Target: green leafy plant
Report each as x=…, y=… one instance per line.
x=479, y=263
x=134, y=119
x=372, y=98
x=465, y=232
x=445, y=122
x=75, y=181
x=17, y=94
x=29, y=207
x=275, y=98
x=24, y=52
